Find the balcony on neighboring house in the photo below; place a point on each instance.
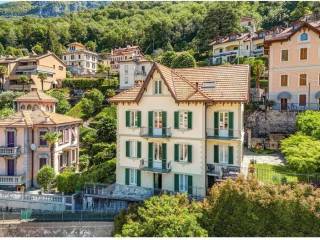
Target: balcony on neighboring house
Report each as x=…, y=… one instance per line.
x=11, y=180
x=155, y=132
x=10, y=151
x=34, y=69
x=160, y=166
x=216, y=133
x=223, y=170
x=296, y=107
x=257, y=52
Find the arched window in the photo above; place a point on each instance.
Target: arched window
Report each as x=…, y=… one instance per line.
x=35, y=107
x=47, y=108
x=29, y=107
x=304, y=37
x=22, y=107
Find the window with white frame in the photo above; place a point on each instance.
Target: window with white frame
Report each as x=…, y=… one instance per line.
x=183, y=119
x=223, y=154
x=133, y=149
x=158, y=87
x=183, y=183
x=66, y=136
x=126, y=69
x=183, y=152
x=157, y=151
x=133, y=119
x=126, y=81
x=223, y=120
x=133, y=177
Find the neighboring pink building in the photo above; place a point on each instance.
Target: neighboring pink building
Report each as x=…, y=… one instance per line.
x=294, y=67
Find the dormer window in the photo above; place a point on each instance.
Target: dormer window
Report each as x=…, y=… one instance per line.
x=304, y=37
x=158, y=87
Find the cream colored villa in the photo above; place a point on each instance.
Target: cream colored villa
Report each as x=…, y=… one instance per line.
x=182, y=129
x=294, y=68
x=23, y=151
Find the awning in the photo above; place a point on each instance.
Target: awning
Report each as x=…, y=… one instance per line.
x=284, y=95
x=317, y=95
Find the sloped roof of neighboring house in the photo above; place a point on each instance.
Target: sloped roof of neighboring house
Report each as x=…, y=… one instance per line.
x=230, y=84
x=288, y=32
x=241, y=36
x=37, y=117
x=36, y=96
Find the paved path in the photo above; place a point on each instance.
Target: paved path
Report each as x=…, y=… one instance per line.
x=274, y=159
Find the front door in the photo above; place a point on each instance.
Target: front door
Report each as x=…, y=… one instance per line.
x=10, y=167
x=10, y=139
x=157, y=183
x=284, y=104
x=302, y=100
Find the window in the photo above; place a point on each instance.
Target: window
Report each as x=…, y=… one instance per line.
x=65, y=57
x=42, y=142
x=183, y=120
x=73, y=135
x=133, y=149
x=133, y=177
x=303, y=53
x=60, y=68
x=126, y=81
x=61, y=136
x=66, y=136
x=223, y=120
x=133, y=118
x=304, y=37
x=79, y=56
x=42, y=162
x=303, y=80
x=223, y=154
x=302, y=100
x=157, y=151
x=157, y=119
x=183, y=183
x=125, y=69
x=158, y=87
x=88, y=65
x=284, y=80
x=183, y=152
x=72, y=57
x=284, y=55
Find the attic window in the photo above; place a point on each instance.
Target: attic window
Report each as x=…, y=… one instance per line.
x=209, y=85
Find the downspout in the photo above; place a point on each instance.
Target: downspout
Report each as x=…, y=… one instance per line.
x=32, y=156
x=205, y=147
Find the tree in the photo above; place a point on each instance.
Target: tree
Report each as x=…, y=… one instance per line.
x=38, y=49
x=3, y=71
x=308, y=123
x=66, y=181
x=5, y=112
x=164, y=216
x=63, y=105
x=104, y=69
x=87, y=107
x=183, y=60
x=91, y=45
x=167, y=58
x=24, y=80
x=45, y=177
x=42, y=77
x=244, y=208
x=257, y=69
x=52, y=138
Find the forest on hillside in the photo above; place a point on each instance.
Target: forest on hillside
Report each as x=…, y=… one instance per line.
x=178, y=26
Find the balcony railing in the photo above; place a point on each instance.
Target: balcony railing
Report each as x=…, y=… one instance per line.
x=296, y=107
x=11, y=180
x=156, y=166
x=216, y=133
x=155, y=132
x=232, y=52
x=223, y=170
x=10, y=151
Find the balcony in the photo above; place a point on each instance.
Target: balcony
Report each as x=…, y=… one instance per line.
x=34, y=69
x=258, y=52
x=216, y=133
x=11, y=180
x=157, y=166
x=155, y=132
x=223, y=170
x=10, y=151
x=296, y=107
x=232, y=52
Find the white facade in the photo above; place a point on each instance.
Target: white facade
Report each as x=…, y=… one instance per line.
x=133, y=71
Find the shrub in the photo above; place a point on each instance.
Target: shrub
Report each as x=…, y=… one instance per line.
x=82, y=83
x=7, y=98
x=5, y=112
x=45, y=177
x=96, y=97
x=63, y=105
x=167, y=58
x=164, y=216
x=66, y=181
x=87, y=107
x=246, y=209
x=308, y=123
x=183, y=60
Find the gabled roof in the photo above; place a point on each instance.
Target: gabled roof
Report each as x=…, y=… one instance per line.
x=38, y=117
x=231, y=84
x=36, y=96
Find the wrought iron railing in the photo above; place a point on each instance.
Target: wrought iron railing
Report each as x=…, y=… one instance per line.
x=223, y=133
x=155, y=132
x=295, y=107
x=155, y=166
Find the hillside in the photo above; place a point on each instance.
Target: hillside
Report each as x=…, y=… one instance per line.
x=46, y=9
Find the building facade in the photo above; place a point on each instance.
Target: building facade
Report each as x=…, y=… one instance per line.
x=182, y=129
x=31, y=66
x=79, y=60
x=23, y=151
x=294, y=69
x=133, y=71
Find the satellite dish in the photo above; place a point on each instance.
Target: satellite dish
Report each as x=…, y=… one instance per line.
x=33, y=147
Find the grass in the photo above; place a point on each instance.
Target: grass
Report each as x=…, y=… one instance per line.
x=275, y=173
x=76, y=111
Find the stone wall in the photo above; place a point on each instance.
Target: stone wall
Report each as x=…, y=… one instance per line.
x=56, y=229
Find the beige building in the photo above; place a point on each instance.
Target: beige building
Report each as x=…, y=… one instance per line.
x=182, y=129
x=294, y=69
x=31, y=66
x=79, y=60
x=23, y=151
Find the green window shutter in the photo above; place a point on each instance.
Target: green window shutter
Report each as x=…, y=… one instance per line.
x=230, y=155
x=160, y=87
x=164, y=123
x=176, y=119
x=150, y=155
x=164, y=155
x=176, y=182
x=216, y=153
x=139, y=149
x=127, y=148
x=127, y=118
x=230, y=124
x=127, y=176
x=139, y=118
x=190, y=184
x=156, y=87
x=138, y=178
x=189, y=153
x=189, y=120
x=216, y=123
x=176, y=152
x=150, y=123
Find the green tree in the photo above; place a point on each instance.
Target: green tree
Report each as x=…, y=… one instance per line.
x=66, y=181
x=42, y=77
x=38, y=49
x=45, y=177
x=167, y=58
x=257, y=69
x=164, y=216
x=5, y=112
x=3, y=71
x=63, y=105
x=91, y=45
x=88, y=108
x=183, y=60
x=24, y=80
x=52, y=138
x=104, y=69
x=308, y=123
